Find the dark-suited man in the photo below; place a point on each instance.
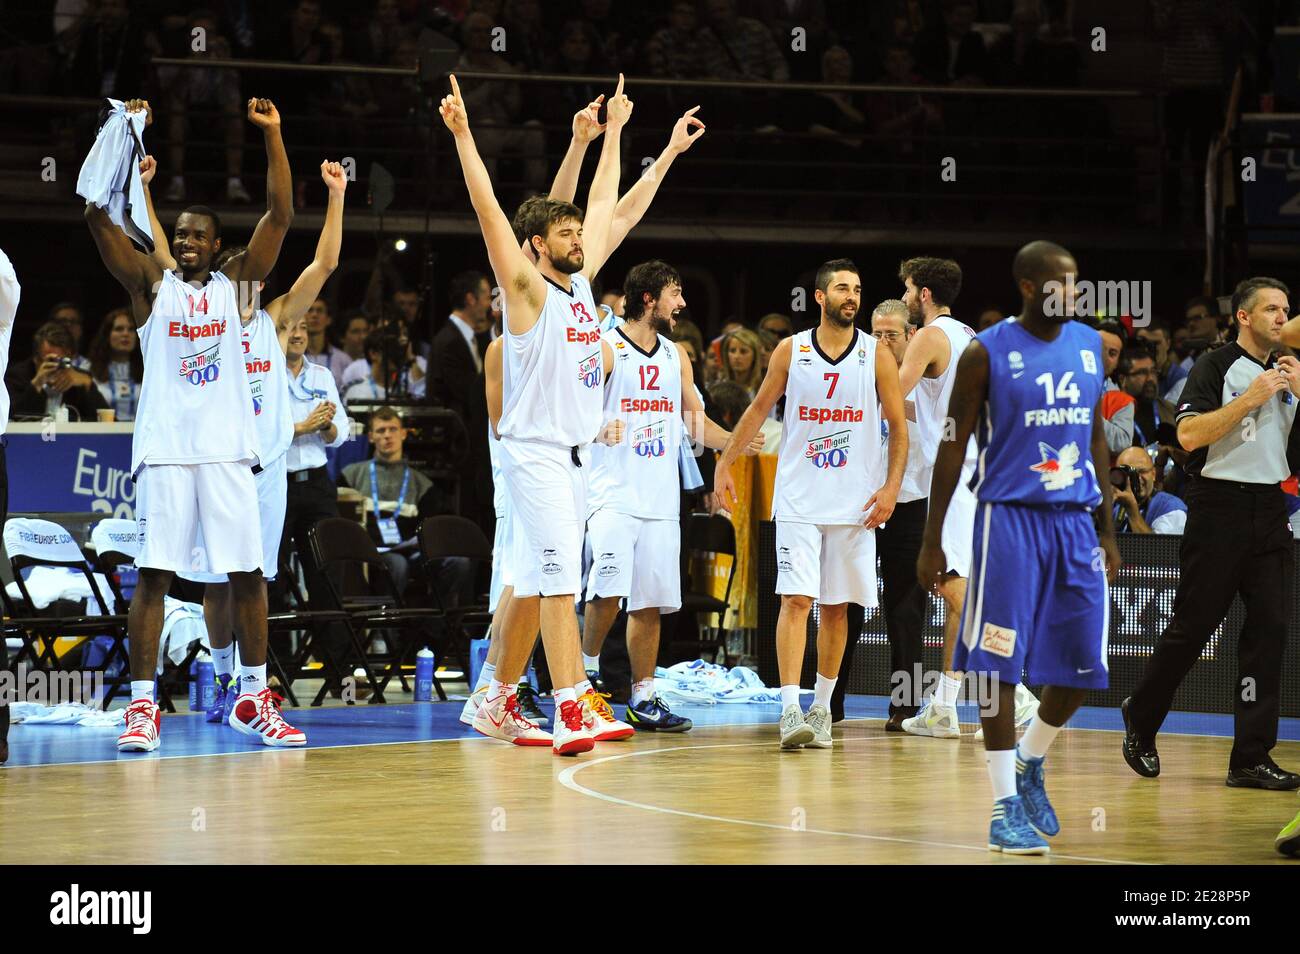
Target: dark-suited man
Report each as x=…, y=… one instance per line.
x=456, y=365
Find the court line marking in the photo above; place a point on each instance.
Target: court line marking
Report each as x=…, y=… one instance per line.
x=566, y=778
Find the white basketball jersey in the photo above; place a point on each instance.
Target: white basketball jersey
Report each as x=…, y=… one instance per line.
x=264, y=363
x=931, y=397
x=194, y=406
x=640, y=476
x=498, y=480
x=553, y=373
x=830, y=461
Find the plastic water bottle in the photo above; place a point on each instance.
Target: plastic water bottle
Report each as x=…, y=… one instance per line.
x=424, y=675
x=194, y=685
x=207, y=676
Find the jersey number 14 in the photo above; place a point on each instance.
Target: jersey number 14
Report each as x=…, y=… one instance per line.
x=1065, y=389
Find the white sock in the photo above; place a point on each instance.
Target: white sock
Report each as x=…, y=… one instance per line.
x=643, y=690
x=485, y=676
x=945, y=693
x=223, y=660
x=1002, y=772
x=252, y=679
x=1037, y=738
x=565, y=695
x=789, y=697
x=142, y=689
x=234, y=180
x=582, y=687
x=823, y=689
x=496, y=688
x=591, y=663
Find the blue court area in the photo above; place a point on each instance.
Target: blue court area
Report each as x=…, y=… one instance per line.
x=190, y=736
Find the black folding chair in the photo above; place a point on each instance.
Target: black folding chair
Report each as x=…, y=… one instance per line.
x=340, y=545
x=444, y=537
x=702, y=535
x=31, y=543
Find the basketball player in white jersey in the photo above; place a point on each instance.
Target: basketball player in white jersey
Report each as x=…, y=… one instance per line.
x=196, y=439
x=930, y=286
x=830, y=493
x=554, y=363
x=265, y=337
x=634, y=526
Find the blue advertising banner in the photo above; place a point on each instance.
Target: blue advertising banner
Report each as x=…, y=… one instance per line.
x=70, y=468
x=1273, y=199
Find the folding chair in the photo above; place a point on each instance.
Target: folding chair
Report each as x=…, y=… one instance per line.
x=449, y=536
x=338, y=545
x=31, y=543
x=706, y=534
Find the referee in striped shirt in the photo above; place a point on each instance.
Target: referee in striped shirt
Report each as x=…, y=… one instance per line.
x=1235, y=417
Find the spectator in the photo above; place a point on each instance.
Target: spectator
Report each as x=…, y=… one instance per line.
x=781, y=17
x=200, y=93
x=837, y=116
x=615, y=301
x=1157, y=338
x=319, y=422
x=952, y=52
x=319, y=349
x=1200, y=333
x=382, y=34
x=300, y=40
x=578, y=45
x=675, y=51
x=110, y=53
x=1139, y=380
x=355, y=329
x=457, y=360
x=116, y=364
x=988, y=317
x=776, y=324
x=1020, y=57
x=689, y=334
x=1139, y=506
x=615, y=34
x=69, y=315
x=406, y=302
x=528, y=44
x=1116, y=406
x=739, y=47
x=373, y=377
x=394, y=496
x=769, y=342
x=741, y=360
x=48, y=381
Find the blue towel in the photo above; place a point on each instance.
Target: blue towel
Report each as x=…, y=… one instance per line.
x=110, y=176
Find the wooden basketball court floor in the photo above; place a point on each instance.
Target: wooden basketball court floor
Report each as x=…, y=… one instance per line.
x=406, y=783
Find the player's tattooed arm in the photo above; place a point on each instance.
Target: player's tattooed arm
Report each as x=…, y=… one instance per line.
x=769, y=392
x=524, y=287
x=702, y=430
x=587, y=128
x=969, y=392
x=292, y=305
x=264, y=247
x=1105, y=516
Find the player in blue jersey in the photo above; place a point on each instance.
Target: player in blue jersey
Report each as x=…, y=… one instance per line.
x=1029, y=388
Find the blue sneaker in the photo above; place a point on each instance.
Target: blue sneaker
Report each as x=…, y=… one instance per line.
x=220, y=704
x=1010, y=831
x=653, y=715
x=1029, y=786
x=232, y=693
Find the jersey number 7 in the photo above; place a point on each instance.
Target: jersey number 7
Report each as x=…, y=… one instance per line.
x=834, y=378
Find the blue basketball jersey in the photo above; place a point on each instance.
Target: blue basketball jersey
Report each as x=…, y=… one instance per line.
x=1035, y=429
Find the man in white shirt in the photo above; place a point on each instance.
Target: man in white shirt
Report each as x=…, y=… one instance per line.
x=10, y=291
x=319, y=421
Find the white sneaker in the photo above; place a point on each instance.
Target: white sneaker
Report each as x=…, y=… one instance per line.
x=259, y=715
x=819, y=720
x=499, y=718
x=598, y=719
x=934, y=721
x=141, y=733
x=1026, y=708
x=571, y=735
x=470, y=709
x=795, y=732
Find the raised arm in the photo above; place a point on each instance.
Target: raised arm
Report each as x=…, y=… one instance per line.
x=769, y=392
x=162, y=253
x=264, y=247
x=632, y=207
x=524, y=287
x=294, y=303
x=969, y=391
x=587, y=128
x=603, y=197
x=134, y=271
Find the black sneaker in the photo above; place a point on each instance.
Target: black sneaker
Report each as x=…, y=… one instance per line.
x=653, y=715
x=1267, y=775
x=1140, y=755
x=526, y=699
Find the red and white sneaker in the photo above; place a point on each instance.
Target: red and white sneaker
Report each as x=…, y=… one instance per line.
x=598, y=719
x=141, y=735
x=259, y=715
x=500, y=718
x=571, y=734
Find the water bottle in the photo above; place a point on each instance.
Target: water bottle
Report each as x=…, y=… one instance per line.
x=424, y=675
x=207, y=676
x=194, y=685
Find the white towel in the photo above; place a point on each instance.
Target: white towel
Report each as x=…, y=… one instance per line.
x=67, y=713
x=110, y=176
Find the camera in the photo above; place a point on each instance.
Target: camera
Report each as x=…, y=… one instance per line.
x=1125, y=478
x=65, y=363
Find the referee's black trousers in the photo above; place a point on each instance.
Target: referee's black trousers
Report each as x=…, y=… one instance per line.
x=1236, y=541
x=898, y=544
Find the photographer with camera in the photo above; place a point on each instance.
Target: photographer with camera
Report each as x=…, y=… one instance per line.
x=390, y=369
x=1139, y=506
x=49, y=380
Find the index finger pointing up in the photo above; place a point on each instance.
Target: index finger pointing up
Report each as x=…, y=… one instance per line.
x=455, y=87
x=619, y=90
